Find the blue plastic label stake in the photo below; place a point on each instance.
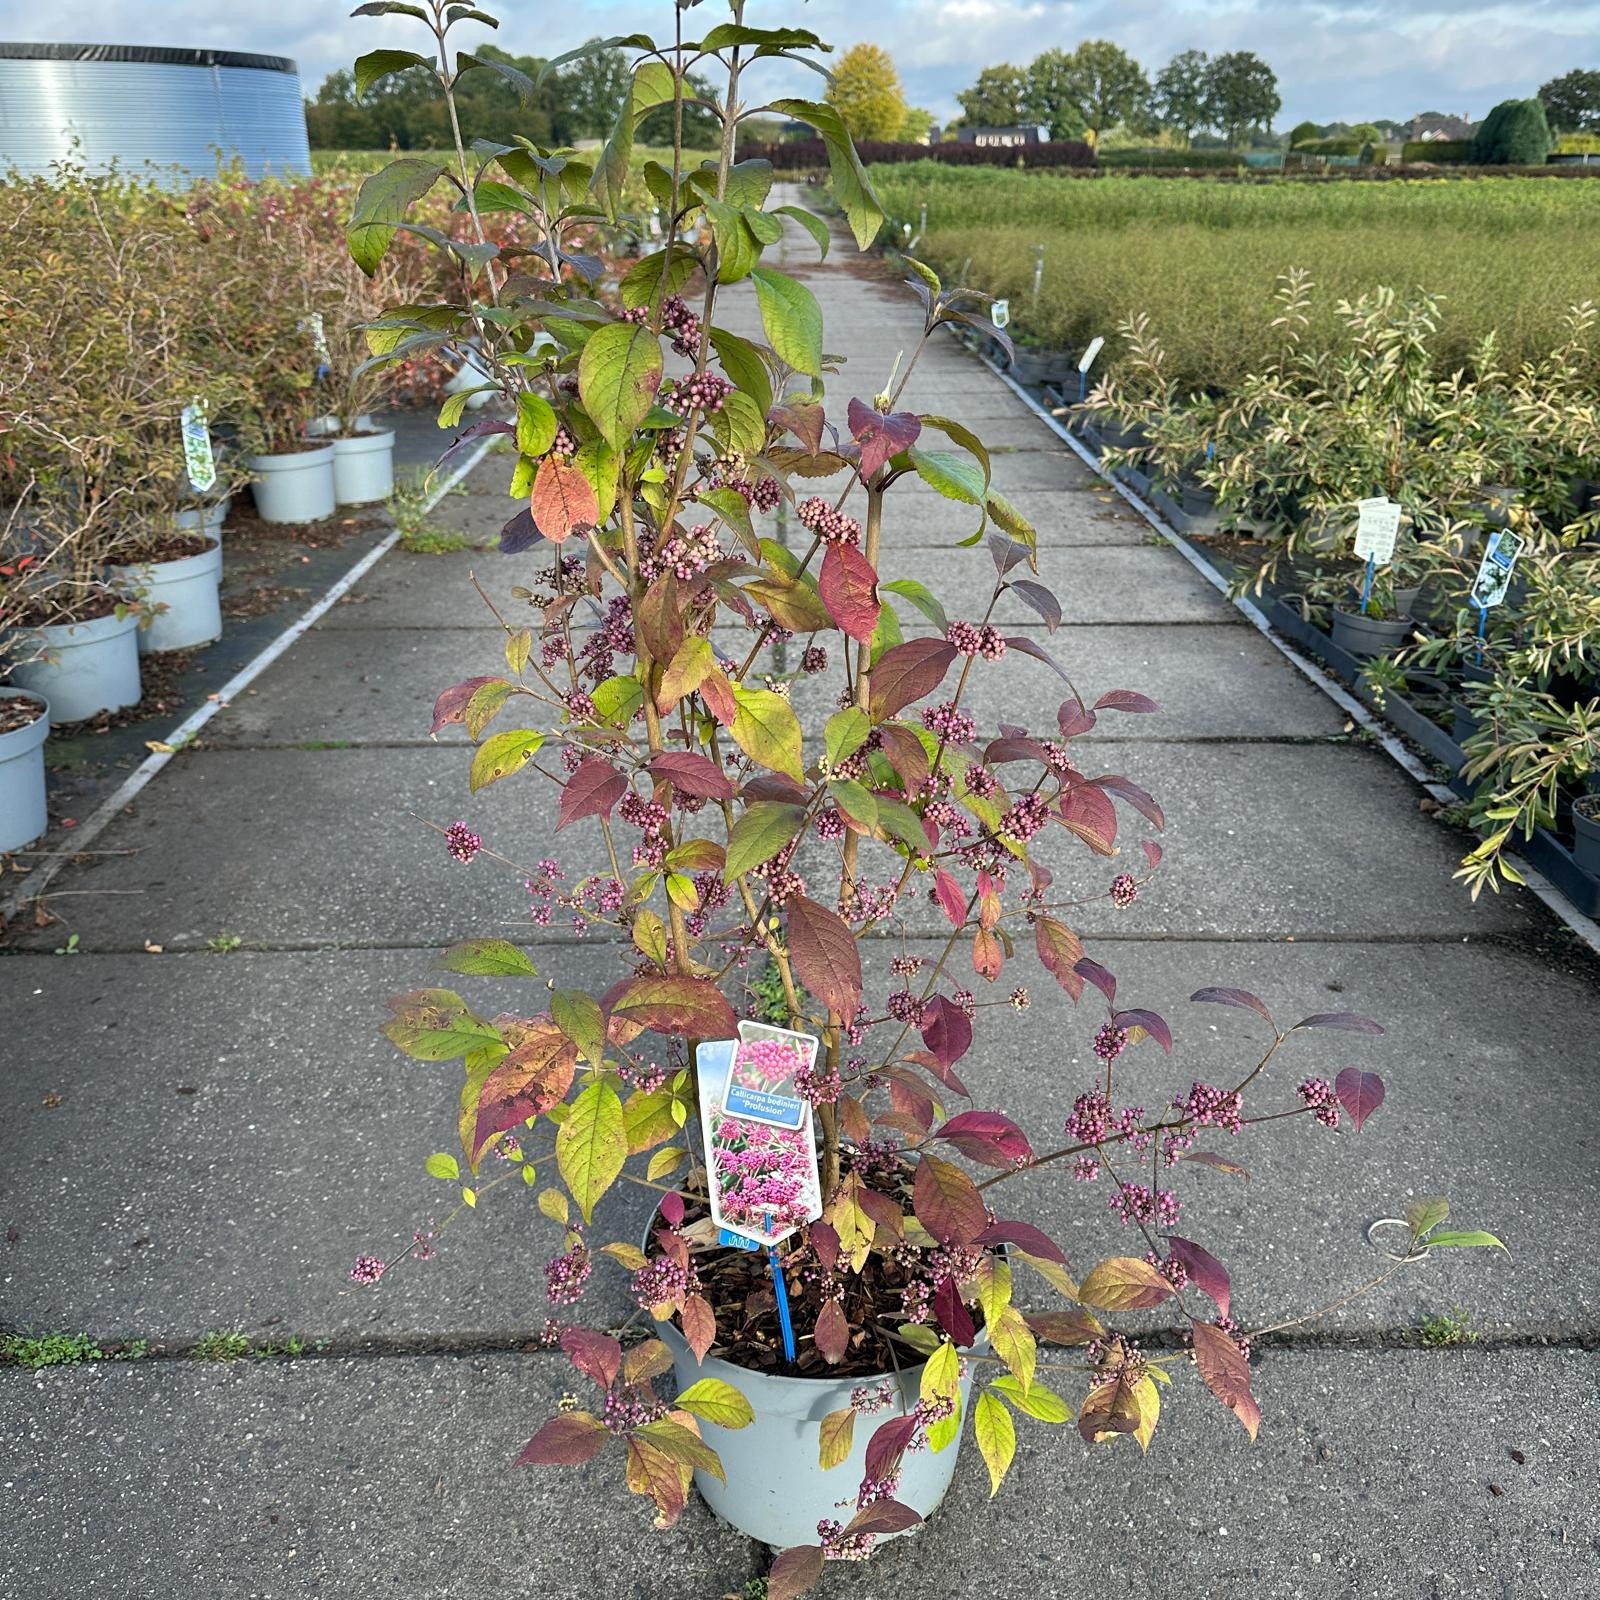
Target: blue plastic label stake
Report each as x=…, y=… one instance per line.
x=1483, y=617
x=1366, y=587
x=780, y=1292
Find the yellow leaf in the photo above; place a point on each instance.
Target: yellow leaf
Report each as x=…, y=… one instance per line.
x=997, y=1437
x=1148, y=1400
x=837, y=1436
x=941, y=1380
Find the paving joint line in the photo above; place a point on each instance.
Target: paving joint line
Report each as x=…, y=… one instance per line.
x=1585, y=927
x=92, y=827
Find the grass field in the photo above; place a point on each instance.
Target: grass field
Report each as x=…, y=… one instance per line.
x=343, y=162
x=1202, y=258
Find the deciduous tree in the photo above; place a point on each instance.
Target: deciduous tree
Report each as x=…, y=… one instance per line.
x=1241, y=94
x=866, y=93
x=1179, y=98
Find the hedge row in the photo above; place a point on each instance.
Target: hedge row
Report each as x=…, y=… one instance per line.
x=799, y=155
x=1163, y=157
x=1437, y=150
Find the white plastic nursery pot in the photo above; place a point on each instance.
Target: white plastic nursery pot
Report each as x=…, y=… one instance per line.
x=23, y=817
x=363, y=467
x=776, y=1491
x=296, y=486
x=204, y=519
x=188, y=589
x=90, y=667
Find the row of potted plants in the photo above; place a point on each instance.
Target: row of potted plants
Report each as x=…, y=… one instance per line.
x=1272, y=474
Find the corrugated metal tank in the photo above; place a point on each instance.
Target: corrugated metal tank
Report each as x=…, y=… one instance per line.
x=138, y=104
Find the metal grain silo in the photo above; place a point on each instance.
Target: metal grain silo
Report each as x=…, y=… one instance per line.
x=138, y=104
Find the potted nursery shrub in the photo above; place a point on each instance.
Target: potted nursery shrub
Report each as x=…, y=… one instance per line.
x=828, y=1287
x=1586, y=832
x=363, y=453
x=24, y=727
x=175, y=575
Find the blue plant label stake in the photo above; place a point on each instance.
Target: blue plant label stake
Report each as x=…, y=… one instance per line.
x=780, y=1292
x=198, y=462
x=1377, y=528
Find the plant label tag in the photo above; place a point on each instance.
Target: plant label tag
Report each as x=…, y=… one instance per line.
x=736, y=1241
x=1494, y=571
x=198, y=461
x=762, y=1175
x=313, y=325
x=1377, y=528
x=1096, y=345
x=1000, y=313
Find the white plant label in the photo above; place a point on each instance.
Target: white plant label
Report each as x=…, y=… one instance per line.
x=1377, y=529
x=198, y=461
x=1096, y=344
x=1000, y=313
x=1494, y=571
x=761, y=1150
x=319, y=336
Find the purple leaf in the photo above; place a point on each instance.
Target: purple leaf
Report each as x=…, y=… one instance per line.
x=1235, y=997
x=849, y=589
x=1000, y=751
x=671, y=1209
x=883, y=1516
x=951, y=1313
x=987, y=1137
x=1007, y=553
x=888, y=1444
x=1206, y=1273
x=1360, y=1093
x=907, y=672
x=1141, y=801
x=1094, y=973
x=1027, y=1238
x=1152, y=852
x=1152, y=1024
x=1343, y=1021
x=881, y=436
x=1038, y=598
x=1125, y=700
x=946, y=1030
x=567, y=1440
x=591, y=791
x=519, y=533
x=451, y=706
x=691, y=774
x=1074, y=718
x=1209, y=1158
x=478, y=430
x=804, y=419
x=1022, y=643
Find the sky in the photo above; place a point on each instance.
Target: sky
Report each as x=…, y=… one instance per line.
x=1336, y=60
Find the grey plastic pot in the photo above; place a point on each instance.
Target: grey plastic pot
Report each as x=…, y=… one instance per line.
x=296, y=486
x=89, y=667
x=1365, y=636
x=1586, y=833
x=23, y=817
x=776, y=1491
x=363, y=467
x=204, y=519
x=187, y=589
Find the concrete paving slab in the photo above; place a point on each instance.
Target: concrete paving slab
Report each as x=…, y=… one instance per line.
x=343, y=1479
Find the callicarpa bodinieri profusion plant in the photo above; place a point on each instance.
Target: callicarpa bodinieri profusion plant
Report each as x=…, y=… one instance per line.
x=772, y=752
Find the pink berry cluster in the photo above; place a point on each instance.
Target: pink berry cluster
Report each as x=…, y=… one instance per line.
x=1317, y=1093
x=1138, y=1202
x=764, y=1063
x=696, y=391
x=462, y=842
x=566, y=1274
x=952, y=724
x=829, y=525
x=974, y=639
x=663, y=1281
x=837, y=1545
x=1210, y=1107
x=1110, y=1042
x=685, y=555
x=1124, y=891
x=820, y=1085
x=627, y=1408
x=684, y=326
x=367, y=1270
x=1026, y=818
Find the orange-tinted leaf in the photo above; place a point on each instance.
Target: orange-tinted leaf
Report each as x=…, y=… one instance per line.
x=825, y=954
x=562, y=501
x=566, y=1440
x=1226, y=1374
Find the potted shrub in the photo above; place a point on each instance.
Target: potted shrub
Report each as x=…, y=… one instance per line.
x=748, y=813
x=363, y=453
x=24, y=727
x=1586, y=832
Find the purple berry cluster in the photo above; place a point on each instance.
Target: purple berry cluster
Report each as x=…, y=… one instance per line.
x=462, y=842
x=829, y=525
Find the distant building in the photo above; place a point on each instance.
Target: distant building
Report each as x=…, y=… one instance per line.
x=1435, y=125
x=1004, y=137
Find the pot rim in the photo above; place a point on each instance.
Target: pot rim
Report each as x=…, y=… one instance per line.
x=363, y=441
x=168, y=570
x=111, y=626
x=288, y=460
x=31, y=734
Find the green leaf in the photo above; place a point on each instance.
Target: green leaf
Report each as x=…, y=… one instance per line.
x=836, y=1436
x=1426, y=1213
x=941, y=1379
x=653, y=275
x=814, y=225
x=591, y=1145
x=956, y=477
x=740, y=425
x=760, y=833
x=996, y=1434
x=455, y=404
x=536, y=424
x=1038, y=1402
x=712, y=1400
x=579, y=1017
x=845, y=733
x=1464, y=1241
x=921, y=597
x=500, y=756
x=738, y=249
x=855, y=800
x=377, y=64
x=749, y=182
x=767, y=730
x=653, y=85
x=381, y=205
x=442, y=1165
x=616, y=700
x=851, y=186
x=743, y=364
x=792, y=320
x=601, y=466
x=730, y=505
x=676, y=1441
x=488, y=958
x=435, y=1025
x=618, y=375
x=963, y=436
x=519, y=80
x=919, y=1337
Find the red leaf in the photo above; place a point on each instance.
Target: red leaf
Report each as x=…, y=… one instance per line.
x=690, y=774
x=671, y=1209
x=451, y=706
x=658, y=619
x=908, y=672
x=591, y=791
x=1027, y=1238
x=946, y=1030
x=825, y=954
x=1087, y=812
x=1226, y=1374
x=1209, y=1158
x=1125, y=700
x=1040, y=599
x=948, y=1203
x=1343, y=1021
x=796, y=1571
x=987, y=1137
x=883, y=1516
x=803, y=418
x=1060, y=950
x=1152, y=852
x=951, y=900
x=692, y=1008
x=825, y=1241
x=717, y=693
x=987, y=955
x=1242, y=998
x=597, y=1355
x=1141, y=801
x=849, y=588
x=1206, y=1273
x=1152, y=1024
x=1023, y=645
x=833, y=1332
x=888, y=1444
x=534, y=1076
x=881, y=436
x=562, y=501
x=904, y=752
x=1360, y=1093
x=775, y=786
x=1014, y=748
x=1074, y=718
x=951, y=1313
x=699, y=1325
x=567, y=1440
x=1064, y=1327
x=1094, y=973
